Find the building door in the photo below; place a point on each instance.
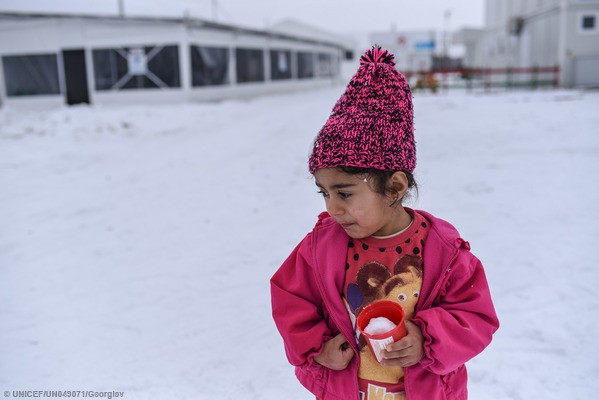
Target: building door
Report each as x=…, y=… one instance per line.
x=585, y=71
x=75, y=73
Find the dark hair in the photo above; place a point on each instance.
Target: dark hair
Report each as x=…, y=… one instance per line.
x=378, y=180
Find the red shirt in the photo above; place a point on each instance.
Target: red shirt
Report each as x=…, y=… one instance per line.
x=387, y=268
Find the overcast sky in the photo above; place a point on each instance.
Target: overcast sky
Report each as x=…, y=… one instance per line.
x=341, y=16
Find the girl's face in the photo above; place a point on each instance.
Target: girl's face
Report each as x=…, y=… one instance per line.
x=360, y=210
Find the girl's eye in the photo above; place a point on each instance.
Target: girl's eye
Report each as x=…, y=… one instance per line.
x=344, y=195
x=323, y=193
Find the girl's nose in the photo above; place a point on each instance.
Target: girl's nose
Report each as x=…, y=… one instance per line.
x=334, y=207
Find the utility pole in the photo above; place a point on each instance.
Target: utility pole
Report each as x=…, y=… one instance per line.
x=215, y=10
x=121, y=8
x=445, y=64
x=564, y=56
x=446, y=33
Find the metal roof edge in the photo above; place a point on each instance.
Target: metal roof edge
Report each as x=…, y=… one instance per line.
x=192, y=22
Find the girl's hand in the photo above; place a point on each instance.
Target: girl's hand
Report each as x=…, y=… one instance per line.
x=407, y=351
x=336, y=353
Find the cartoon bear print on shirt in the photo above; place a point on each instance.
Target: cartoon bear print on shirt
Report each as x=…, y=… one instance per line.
x=375, y=282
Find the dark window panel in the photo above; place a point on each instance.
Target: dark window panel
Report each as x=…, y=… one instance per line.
x=31, y=75
x=249, y=65
x=112, y=69
x=280, y=64
x=209, y=66
x=305, y=65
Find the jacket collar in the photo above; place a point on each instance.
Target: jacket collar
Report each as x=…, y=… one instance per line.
x=329, y=249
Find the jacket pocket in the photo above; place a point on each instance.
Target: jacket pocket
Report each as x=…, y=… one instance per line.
x=446, y=379
x=314, y=378
x=316, y=371
x=454, y=384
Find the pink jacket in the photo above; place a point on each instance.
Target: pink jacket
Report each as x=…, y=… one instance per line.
x=455, y=312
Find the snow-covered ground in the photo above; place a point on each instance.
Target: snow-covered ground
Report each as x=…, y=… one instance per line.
x=136, y=243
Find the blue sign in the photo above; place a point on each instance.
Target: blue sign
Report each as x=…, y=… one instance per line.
x=425, y=45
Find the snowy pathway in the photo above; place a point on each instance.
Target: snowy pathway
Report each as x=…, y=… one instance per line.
x=136, y=243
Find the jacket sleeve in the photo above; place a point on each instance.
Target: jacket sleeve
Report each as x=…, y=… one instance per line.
x=297, y=306
x=462, y=321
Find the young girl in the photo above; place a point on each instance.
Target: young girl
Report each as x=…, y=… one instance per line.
x=368, y=247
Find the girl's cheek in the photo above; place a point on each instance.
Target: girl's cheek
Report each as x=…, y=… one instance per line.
x=357, y=213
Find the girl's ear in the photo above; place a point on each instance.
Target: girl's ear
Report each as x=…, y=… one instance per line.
x=398, y=184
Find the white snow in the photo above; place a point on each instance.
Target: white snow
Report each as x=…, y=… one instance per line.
x=379, y=325
x=127, y=234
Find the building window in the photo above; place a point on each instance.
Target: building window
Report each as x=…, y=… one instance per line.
x=588, y=22
x=136, y=67
x=305, y=65
x=31, y=75
x=280, y=64
x=325, y=67
x=249, y=65
x=209, y=66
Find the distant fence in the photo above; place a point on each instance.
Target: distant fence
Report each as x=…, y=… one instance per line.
x=485, y=78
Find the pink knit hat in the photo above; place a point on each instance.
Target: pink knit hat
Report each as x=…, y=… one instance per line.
x=371, y=126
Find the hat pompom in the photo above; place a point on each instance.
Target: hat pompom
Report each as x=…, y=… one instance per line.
x=377, y=55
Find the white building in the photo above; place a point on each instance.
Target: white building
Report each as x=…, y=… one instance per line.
x=527, y=34
x=413, y=50
x=53, y=59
